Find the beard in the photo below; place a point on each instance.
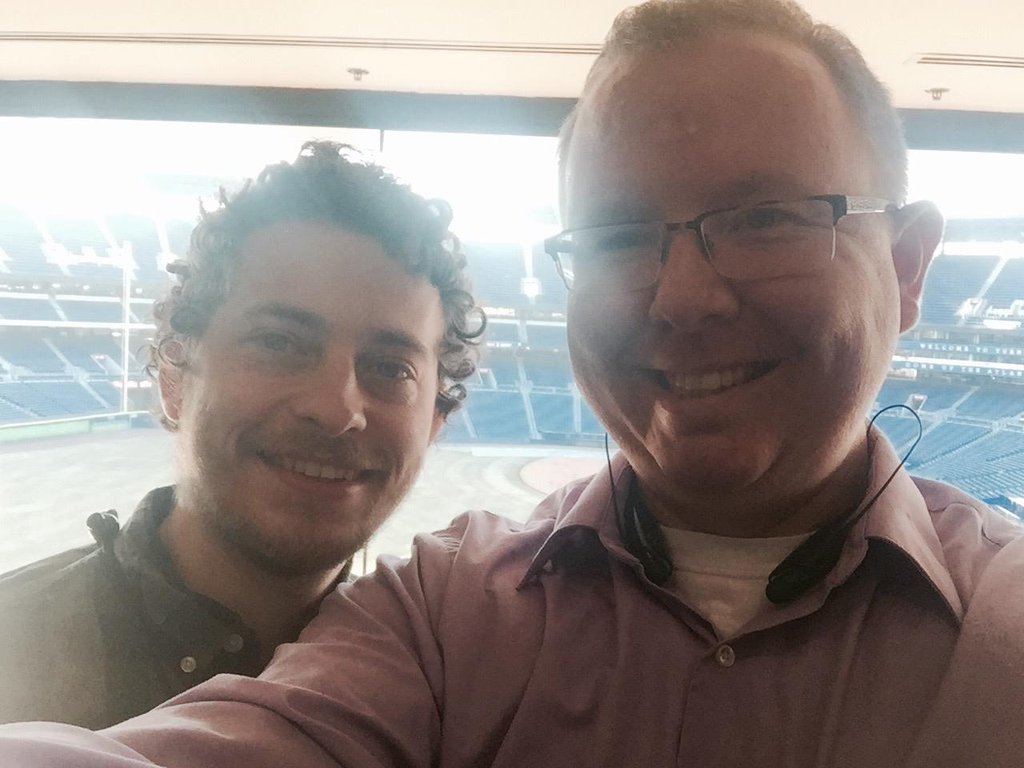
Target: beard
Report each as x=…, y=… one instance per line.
x=211, y=487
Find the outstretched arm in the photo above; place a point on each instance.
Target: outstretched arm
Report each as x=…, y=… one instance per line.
x=361, y=689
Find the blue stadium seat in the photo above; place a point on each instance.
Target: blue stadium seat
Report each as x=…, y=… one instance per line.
x=497, y=270
x=36, y=308
x=993, y=403
x=945, y=439
x=589, y=425
x=92, y=311
x=1009, y=286
x=50, y=399
x=141, y=232
x=22, y=242
x=951, y=280
x=553, y=295
x=546, y=336
x=552, y=412
x=503, y=365
x=498, y=416
x=548, y=369
x=27, y=350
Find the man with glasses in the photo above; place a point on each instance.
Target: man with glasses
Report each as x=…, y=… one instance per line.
x=754, y=580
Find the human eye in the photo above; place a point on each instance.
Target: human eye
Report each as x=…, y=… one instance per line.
x=278, y=346
x=388, y=376
x=761, y=224
x=274, y=341
x=616, y=243
x=765, y=217
x=393, y=370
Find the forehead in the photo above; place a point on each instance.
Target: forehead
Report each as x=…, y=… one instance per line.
x=716, y=122
x=343, y=277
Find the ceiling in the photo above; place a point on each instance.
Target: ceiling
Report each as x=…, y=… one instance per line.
x=526, y=48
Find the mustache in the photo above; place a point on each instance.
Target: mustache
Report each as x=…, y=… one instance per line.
x=311, y=444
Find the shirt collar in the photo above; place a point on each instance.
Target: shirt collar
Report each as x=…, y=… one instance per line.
x=194, y=623
x=584, y=506
x=899, y=517
x=191, y=623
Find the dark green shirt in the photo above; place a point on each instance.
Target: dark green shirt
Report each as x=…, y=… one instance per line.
x=98, y=634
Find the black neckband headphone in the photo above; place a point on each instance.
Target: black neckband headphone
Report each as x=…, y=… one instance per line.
x=804, y=567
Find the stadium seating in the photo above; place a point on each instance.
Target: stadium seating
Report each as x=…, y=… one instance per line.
x=1009, y=286
x=553, y=295
x=22, y=241
x=142, y=309
x=548, y=369
x=497, y=270
x=36, y=308
x=546, y=336
x=993, y=404
x=901, y=429
x=503, y=365
x=178, y=234
x=552, y=413
x=49, y=399
x=83, y=351
x=937, y=396
x=951, y=280
x=76, y=234
x=943, y=440
x=507, y=332
x=28, y=352
x=455, y=429
x=141, y=233
x=498, y=416
x=589, y=425
x=92, y=311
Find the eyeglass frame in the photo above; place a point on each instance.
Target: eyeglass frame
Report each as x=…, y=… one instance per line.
x=842, y=205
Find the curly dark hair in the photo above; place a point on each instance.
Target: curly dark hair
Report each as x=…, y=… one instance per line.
x=333, y=183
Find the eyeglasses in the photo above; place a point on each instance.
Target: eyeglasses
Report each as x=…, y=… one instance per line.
x=775, y=239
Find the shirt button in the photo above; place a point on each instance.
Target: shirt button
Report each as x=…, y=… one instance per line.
x=725, y=656
x=188, y=664
x=234, y=643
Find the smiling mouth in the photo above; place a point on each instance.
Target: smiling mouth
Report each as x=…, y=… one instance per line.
x=316, y=470
x=694, y=385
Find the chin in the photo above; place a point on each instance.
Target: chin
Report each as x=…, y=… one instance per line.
x=696, y=467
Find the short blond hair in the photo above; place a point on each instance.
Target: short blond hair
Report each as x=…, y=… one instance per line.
x=659, y=25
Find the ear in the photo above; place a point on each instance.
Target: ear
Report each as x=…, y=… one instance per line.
x=171, y=382
x=918, y=234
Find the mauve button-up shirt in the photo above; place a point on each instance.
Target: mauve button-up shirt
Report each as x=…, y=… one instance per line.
x=542, y=644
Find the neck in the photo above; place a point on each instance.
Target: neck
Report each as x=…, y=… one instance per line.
x=761, y=510
x=274, y=606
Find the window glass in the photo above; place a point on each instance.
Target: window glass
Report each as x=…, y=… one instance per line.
x=968, y=185
x=91, y=211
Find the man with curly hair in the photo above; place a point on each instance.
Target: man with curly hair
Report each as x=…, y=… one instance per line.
x=306, y=358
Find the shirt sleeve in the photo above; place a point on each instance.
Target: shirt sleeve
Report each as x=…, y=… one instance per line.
x=362, y=688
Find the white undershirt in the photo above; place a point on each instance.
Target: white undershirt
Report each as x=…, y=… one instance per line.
x=723, y=578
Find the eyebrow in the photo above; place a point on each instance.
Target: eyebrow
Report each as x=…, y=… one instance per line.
x=290, y=313
x=384, y=337
x=752, y=189
x=389, y=337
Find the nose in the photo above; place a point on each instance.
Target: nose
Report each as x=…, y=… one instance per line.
x=332, y=397
x=689, y=291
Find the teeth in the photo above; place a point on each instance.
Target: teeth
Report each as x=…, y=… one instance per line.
x=697, y=384
x=322, y=471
